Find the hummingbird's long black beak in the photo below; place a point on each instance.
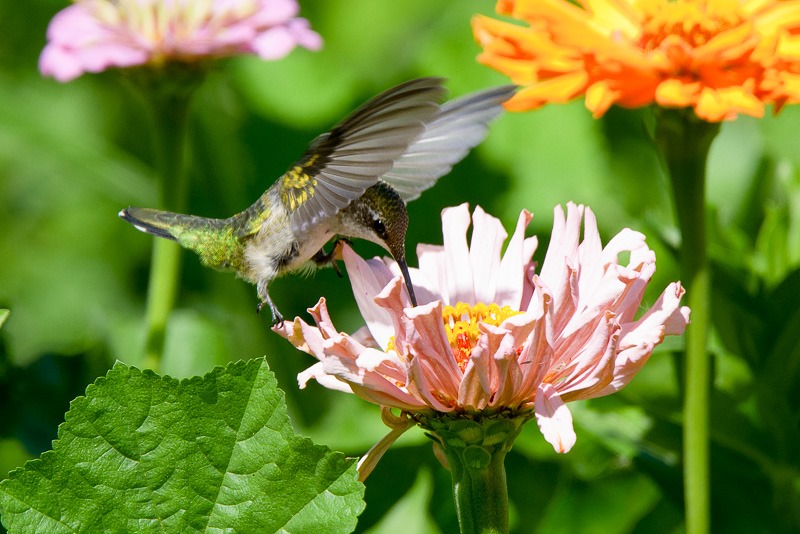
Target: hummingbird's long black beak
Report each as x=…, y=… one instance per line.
x=404, y=269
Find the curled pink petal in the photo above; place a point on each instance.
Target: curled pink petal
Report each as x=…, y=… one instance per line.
x=317, y=372
x=433, y=356
x=368, y=280
x=500, y=344
x=665, y=317
x=561, y=252
x=592, y=366
x=341, y=361
x=554, y=419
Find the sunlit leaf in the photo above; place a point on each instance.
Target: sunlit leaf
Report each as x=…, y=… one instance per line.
x=142, y=453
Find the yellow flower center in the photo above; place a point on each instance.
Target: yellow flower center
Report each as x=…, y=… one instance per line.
x=694, y=22
x=461, y=325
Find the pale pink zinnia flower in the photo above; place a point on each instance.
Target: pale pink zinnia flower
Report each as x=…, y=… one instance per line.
x=490, y=335
x=94, y=35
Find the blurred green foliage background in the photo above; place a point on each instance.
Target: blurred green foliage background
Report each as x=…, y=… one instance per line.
x=74, y=275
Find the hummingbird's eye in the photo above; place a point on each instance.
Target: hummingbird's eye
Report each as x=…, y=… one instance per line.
x=379, y=227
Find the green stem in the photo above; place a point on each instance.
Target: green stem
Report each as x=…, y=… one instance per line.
x=169, y=113
x=475, y=447
x=685, y=142
x=480, y=491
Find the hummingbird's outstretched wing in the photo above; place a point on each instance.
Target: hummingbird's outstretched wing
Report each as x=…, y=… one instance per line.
x=343, y=163
x=460, y=125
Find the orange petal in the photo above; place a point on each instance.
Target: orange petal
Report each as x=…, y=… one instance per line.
x=677, y=93
x=599, y=97
x=753, y=7
x=505, y=7
x=566, y=22
x=619, y=15
x=729, y=45
x=784, y=87
x=791, y=86
x=774, y=18
x=788, y=47
x=555, y=90
x=491, y=32
x=520, y=72
x=716, y=105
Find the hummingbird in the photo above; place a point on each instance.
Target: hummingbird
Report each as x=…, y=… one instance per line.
x=353, y=181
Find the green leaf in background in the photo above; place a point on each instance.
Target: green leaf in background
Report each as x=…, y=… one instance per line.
x=580, y=507
x=409, y=514
x=3, y=316
x=61, y=186
x=142, y=453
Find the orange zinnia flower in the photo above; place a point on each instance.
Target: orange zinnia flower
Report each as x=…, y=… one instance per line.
x=720, y=57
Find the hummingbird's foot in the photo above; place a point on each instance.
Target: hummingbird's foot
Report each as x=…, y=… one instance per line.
x=277, y=318
x=323, y=259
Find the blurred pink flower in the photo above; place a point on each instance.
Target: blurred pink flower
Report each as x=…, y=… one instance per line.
x=490, y=335
x=94, y=35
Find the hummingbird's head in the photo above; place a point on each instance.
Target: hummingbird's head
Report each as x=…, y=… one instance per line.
x=380, y=216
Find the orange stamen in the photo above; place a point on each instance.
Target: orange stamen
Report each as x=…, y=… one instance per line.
x=461, y=325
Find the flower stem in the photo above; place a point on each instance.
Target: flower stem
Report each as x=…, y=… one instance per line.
x=475, y=449
x=480, y=492
x=169, y=109
x=685, y=141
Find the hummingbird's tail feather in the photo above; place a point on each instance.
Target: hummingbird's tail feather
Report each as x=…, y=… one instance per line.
x=214, y=240
x=460, y=125
x=174, y=226
x=150, y=221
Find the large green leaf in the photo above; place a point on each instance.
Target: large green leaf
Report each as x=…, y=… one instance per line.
x=144, y=453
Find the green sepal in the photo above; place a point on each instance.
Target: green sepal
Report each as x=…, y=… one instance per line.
x=475, y=446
